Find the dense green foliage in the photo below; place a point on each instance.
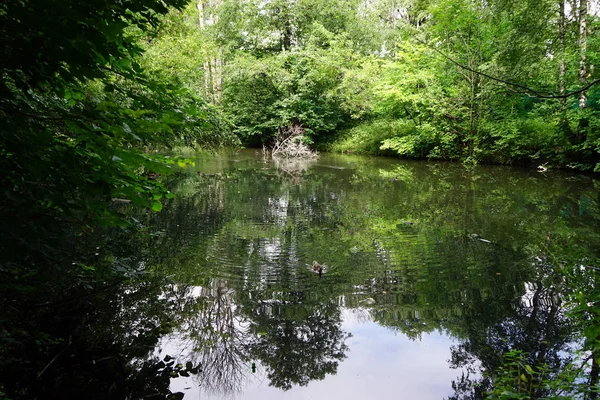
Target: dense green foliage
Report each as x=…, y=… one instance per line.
x=75, y=113
x=81, y=118
x=479, y=81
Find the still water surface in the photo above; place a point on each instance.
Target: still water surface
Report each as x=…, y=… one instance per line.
x=431, y=272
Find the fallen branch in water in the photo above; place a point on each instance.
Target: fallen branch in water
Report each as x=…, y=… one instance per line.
x=289, y=143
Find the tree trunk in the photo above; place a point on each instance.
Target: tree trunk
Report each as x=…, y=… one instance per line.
x=215, y=72
x=207, y=73
x=582, y=44
x=201, y=13
x=207, y=80
x=594, y=376
x=562, y=63
x=219, y=79
x=213, y=67
x=287, y=35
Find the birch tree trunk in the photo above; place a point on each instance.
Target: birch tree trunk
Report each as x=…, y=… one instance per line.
x=562, y=63
x=207, y=73
x=219, y=78
x=201, y=14
x=583, y=13
x=213, y=66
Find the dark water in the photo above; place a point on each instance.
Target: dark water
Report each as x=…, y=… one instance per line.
x=432, y=271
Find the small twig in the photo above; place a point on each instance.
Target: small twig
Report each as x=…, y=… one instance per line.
x=54, y=359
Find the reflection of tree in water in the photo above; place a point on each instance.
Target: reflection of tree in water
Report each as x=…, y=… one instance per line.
x=297, y=343
x=432, y=269
x=99, y=347
x=538, y=327
x=219, y=339
x=293, y=168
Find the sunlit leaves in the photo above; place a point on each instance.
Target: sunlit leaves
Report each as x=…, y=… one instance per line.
x=156, y=206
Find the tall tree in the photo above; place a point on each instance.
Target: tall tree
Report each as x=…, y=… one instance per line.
x=213, y=65
x=582, y=44
x=562, y=62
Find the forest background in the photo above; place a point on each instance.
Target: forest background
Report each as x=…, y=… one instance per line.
x=91, y=90
x=477, y=81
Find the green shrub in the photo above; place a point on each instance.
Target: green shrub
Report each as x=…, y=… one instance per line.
x=517, y=379
x=518, y=140
x=367, y=138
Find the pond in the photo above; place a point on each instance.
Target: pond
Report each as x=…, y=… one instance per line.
x=430, y=272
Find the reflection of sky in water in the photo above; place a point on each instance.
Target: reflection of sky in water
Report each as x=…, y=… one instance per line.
x=381, y=364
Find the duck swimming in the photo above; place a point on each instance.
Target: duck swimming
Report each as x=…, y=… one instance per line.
x=318, y=268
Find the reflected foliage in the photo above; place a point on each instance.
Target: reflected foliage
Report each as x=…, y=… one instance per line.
x=498, y=260
x=97, y=348
x=219, y=340
x=297, y=348
x=421, y=247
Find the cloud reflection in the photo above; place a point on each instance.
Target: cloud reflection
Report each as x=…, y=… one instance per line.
x=381, y=363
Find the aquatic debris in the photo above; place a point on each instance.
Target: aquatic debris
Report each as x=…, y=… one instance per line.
x=475, y=236
x=290, y=143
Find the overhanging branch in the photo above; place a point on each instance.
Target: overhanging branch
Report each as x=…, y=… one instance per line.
x=524, y=89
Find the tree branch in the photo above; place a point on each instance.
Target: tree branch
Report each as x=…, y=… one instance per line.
x=526, y=90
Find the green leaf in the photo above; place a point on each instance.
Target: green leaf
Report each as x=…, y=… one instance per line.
x=157, y=206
